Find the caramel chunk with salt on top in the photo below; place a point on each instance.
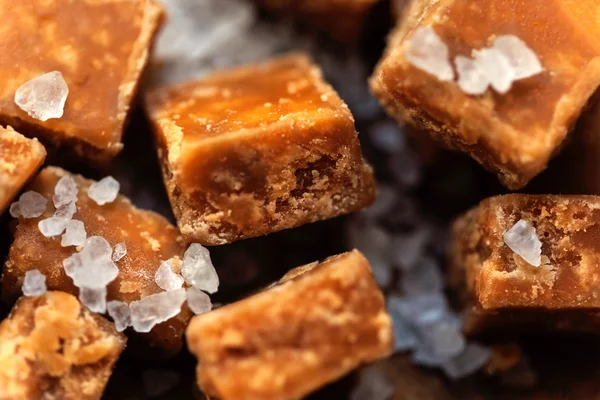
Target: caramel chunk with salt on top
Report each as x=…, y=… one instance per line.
x=101, y=58
x=53, y=348
x=496, y=246
x=512, y=134
x=291, y=339
x=20, y=158
x=258, y=149
x=148, y=237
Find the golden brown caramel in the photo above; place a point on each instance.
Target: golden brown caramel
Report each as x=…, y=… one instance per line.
x=513, y=134
x=148, y=237
x=20, y=158
x=258, y=149
x=53, y=348
x=291, y=339
x=100, y=47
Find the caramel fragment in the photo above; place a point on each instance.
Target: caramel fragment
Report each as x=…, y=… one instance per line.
x=293, y=338
x=149, y=238
x=513, y=134
x=502, y=290
x=20, y=158
x=53, y=348
x=101, y=58
x=258, y=149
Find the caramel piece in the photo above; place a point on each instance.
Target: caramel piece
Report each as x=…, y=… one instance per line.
x=513, y=134
x=502, y=290
x=148, y=237
x=101, y=57
x=20, y=158
x=53, y=348
x=258, y=149
x=291, y=339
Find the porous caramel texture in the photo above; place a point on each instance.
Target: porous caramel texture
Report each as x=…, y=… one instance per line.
x=20, y=158
x=291, y=339
x=100, y=47
x=258, y=149
x=498, y=285
x=512, y=134
x=53, y=348
x=148, y=237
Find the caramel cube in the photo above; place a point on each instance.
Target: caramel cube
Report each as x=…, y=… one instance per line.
x=258, y=149
x=503, y=290
x=149, y=239
x=20, y=158
x=313, y=327
x=513, y=134
x=101, y=58
x=53, y=348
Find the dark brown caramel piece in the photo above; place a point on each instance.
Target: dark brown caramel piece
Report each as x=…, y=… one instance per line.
x=258, y=149
x=503, y=291
x=20, y=158
x=53, y=348
x=100, y=47
x=293, y=338
x=148, y=237
x=513, y=134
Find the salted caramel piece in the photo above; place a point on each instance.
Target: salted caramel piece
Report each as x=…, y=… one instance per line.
x=502, y=290
x=101, y=58
x=53, y=348
x=513, y=134
x=148, y=237
x=291, y=339
x=20, y=158
x=258, y=149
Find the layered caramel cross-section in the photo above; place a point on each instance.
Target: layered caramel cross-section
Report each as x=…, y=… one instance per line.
x=53, y=348
x=504, y=289
x=513, y=134
x=258, y=149
x=316, y=325
x=101, y=58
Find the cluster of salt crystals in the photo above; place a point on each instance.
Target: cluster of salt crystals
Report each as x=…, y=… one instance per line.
x=523, y=240
x=30, y=205
x=104, y=191
x=44, y=96
x=64, y=199
x=34, y=283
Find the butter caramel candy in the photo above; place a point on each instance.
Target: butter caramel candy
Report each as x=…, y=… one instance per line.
x=258, y=149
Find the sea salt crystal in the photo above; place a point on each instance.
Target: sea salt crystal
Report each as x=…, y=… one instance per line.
x=496, y=68
x=166, y=279
x=119, y=252
x=92, y=267
x=93, y=298
x=523, y=240
x=65, y=191
x=426, y=51
x=373, y=385
x=197, y=269
x=30, y=205
x=471, y=79
x=426, y=277
x=198, y=301
x=523, y=60
x=472, y=358
x=104, y=191
x=445, y=339
x=34, y=283
x=119, y=312
x=44, y=96
x=156, y=308
x=52, y=226
x=65, y=211
x=75, y=234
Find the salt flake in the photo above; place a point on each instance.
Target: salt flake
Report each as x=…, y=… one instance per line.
x=120, y=252
x=75, y=234
x=93, y=298
x=198, y=301
x=119, y=312
x=44, y=96
x=30, y=205
x=65, y=191
x=471, y=79
x=34, y=283
x=156, y=308
x=523, y=60
x=426, y=51
x=496, y=68
x=104, y=191
x=197, y=269
x=523, y=240
x=166, y=279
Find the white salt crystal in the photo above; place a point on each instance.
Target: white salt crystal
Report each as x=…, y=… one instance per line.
x=34, y=283
x=496, y=68
x=75, y=234
x=92, y=267
x=166, y=279
x=93, y=298
x=119, y=312
x=65, y=191
x=30, y=205
x=120, y=252
x=65, y=211
x=44, y=96
x=472, y=358
x=197, y=269
x=52, y=226
x=523, y=240
x=104, y=191
x=471, y=80
x=426, y=51
x=445, y=339
x=426, y=277
x=373, y=385
x=523, y=60
x=198, y=301
x=156, y=308
x=421, y=310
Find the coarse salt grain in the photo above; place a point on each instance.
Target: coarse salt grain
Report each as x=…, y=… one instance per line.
x=104, y=191
x=522, y=239
x=34, y=283
x=426, y=51
x=44, y=96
